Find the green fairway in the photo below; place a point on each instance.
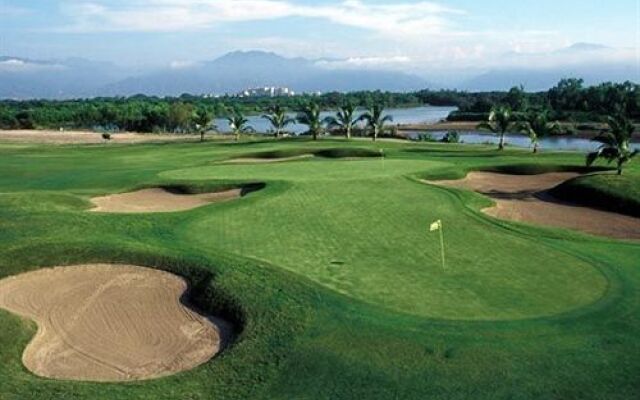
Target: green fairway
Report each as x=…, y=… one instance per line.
x=332, y=275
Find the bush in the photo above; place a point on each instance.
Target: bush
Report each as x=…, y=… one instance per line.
x=460, y=116
x=451, y=137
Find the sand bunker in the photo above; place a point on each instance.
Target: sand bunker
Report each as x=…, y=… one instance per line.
x=524, y=198
x=158, y=200
x=109, y=323
x=257, y=160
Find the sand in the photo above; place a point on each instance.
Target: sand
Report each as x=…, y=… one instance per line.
x=157, y=200
x=110, y=323
x=86, y=137
x=524, y=198
x=255, y=160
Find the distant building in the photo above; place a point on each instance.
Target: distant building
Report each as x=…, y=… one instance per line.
x=267, y=91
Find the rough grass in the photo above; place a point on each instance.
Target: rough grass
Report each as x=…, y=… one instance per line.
x=331, y=274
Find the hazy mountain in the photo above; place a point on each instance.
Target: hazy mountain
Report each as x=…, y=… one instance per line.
x=241, y=70
x=570, y=62
x=22, y=78
x=543, y=79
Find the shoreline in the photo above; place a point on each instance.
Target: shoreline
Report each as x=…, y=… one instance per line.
x=466, y=126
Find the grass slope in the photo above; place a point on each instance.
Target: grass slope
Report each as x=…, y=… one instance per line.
x=331, y=275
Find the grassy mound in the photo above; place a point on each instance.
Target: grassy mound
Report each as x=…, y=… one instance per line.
x=605, y=191
x=336, y=152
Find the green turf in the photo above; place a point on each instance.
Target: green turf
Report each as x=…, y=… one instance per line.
x=331, y=273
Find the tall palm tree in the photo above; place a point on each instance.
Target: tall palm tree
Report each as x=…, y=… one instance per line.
x=376, y=120
x=238, y=124
x=345, y=120
x=202, y=119
x=615, y=143
x=501, y=121
x=537, y=125
x=278, y=118
x=310, y=116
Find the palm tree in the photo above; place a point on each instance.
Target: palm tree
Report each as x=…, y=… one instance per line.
x=278, y=118
x=537, y=125
x=238, y=124
x=500, y=122
x=203, y=122
x=375, y=120
x=345, y=120
x=615, y=143
x=310, y=116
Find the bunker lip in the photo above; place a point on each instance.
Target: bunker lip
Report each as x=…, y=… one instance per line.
x=111, y=323
x=160, y=199
x=525, y=198
x=258, y=160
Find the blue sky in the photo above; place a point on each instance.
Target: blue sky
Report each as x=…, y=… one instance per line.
x=393, y=34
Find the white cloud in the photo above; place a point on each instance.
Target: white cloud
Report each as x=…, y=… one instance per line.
x=390, y=19
x=393, y=62
x=19, y=65
x=182, y=64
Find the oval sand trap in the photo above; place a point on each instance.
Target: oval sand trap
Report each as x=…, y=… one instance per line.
x=159, y=200
x=109, y=323
x=256, y=160
x=523, y=198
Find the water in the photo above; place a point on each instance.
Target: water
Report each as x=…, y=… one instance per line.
x=517, y=140
x=415, y=115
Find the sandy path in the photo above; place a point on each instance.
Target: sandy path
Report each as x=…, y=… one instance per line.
x=86, y=137
x=158, y=200
x=109, y=323
x=524, y=198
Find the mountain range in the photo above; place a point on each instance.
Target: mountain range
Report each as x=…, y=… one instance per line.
x=22, y=78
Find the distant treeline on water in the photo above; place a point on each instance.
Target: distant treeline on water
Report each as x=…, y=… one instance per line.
x=570, y=100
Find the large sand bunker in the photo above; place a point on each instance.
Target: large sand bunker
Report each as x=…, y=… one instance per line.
x=524, y=198
x=109, y=323
x=159, y=200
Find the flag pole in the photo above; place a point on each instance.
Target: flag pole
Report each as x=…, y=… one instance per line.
x=442, y=246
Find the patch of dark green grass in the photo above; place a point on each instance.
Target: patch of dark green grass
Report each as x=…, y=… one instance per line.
x=605, y=191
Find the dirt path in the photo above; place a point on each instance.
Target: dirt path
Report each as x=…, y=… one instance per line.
x=523, y=198
x=86, y=137
x=109, y=323
x=158, y=200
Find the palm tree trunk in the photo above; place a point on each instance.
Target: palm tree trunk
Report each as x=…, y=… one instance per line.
x=375, y=134
x=501, y=144
x=619, y=167
x=315, y=134
x=535, y=148
x=201, y=136
x=348, y=133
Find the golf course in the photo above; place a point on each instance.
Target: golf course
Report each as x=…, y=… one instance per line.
x=312, y=272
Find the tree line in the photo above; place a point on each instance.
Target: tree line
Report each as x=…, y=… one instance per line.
x=570, y=100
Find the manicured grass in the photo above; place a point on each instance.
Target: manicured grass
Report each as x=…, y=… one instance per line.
x=606, y=191
x=331, y=276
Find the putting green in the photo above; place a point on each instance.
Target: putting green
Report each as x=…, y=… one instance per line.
x=366, y=236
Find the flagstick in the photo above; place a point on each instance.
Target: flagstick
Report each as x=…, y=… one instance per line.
x=442, y=246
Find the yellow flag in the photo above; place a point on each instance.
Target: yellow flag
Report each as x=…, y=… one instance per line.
x=436, y=226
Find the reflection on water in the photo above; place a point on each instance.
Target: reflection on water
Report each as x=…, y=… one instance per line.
x=517, y=140
x=414, y=115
